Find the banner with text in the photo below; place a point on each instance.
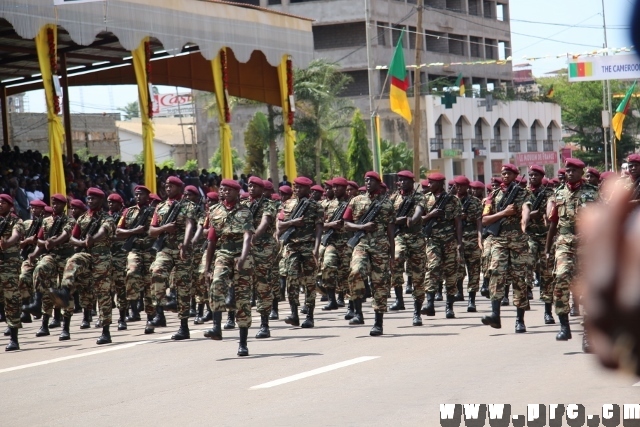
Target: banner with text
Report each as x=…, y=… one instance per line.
x=614, y=67
x=171, y=105
x=59, y=2
x=540, y=158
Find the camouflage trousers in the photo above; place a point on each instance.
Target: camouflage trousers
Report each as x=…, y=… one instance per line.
x=25, y=281
x=442, y=265
x=544, y=266
x=225, y=274
x=168, y=262
x=486, y=255
x=46, y=275
x=282, y=268
x=300, y=268
x=509, y=258
x=263, y=253
x=138, y=278
x=566, y=269
x=118, y=276
x=410, y=252
x=370, y=259
x=334, y=269
x=472, y=261
x=198, y=279
x=90, y=275
x=9, y=276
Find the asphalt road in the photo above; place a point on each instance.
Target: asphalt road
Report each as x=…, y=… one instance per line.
x=333, y=374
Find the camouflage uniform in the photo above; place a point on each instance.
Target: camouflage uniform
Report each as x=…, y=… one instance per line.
x=442, y=263
x=168, y=260
x=371, y=255
x=139, y=259
x=509, y=253
x=537, y=232
x=50, y=266
x=89, y=272
x=10, y=271
x=230, y=224
x=25, y=281
x=298, y=253
x=119, y=266
x=263, y=251
x=410, y=247
x=200, y=291
x=335, y=255
x=568, y=205
x=471, y=251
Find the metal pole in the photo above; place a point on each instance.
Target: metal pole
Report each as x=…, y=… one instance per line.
x=417, y=96
x=609, y=107
x=5, y=115
x=66, y=110
x=367, y=17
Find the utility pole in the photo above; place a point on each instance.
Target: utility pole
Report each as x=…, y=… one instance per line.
x=417, y=114
x=609, y=106
x=367, y=17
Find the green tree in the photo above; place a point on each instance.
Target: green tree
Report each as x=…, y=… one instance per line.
x=130, y=110
x=190, y=165
x=396, y=157
x=256, y=140
x=359, y=155
x=169, y=163
x=216, y=161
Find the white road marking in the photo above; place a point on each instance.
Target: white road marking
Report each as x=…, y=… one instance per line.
x=314, y=372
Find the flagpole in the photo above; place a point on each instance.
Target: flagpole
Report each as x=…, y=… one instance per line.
x=614, y=166
x=372, y=113
x=417, y=115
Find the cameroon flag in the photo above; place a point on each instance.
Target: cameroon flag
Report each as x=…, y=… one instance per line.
x=621, y=112
x=460, y=84
x=399, y=83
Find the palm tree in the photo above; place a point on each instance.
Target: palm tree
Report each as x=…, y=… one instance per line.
x=130, y=110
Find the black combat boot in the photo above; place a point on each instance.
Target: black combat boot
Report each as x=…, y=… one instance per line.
x=264, y=331
x=86, y=319
x=243, y=350
x=484, y=290
x=57, y=316
x=293, y=318
x=274, y=310
x=548, y=316
x=459, y=286
x=471, y=305
x=408, y=289
x=439, y=293
x=135, y=313
x=3, y=318
x=399, y=304
x=350, y=311
x=231, y=320
x=308, y=322
x=368, y=289
x=77, y=308
x=377, y=326
x=493, y=319
x=358, y=317
x=209, y=316
x=25, y=316
x=520, y=327
x=140, y=302
x=105, y=338
x=13, y=341
x=65, y=335
x=44, y=328
x=35, y=307
x=340, y=300
x=60, y=296
x=122, y=321
x=565, y=329
x=183, y=331
x=159, y=320
x=252, y=302
x=149, y=328
x=333, y=304
x=304, y=309
x=192, y=308
x=215, y=333
x=283, y=288
x=529, y=293
x=171, y=305
x=230, y=300
x=429, y=309
x=7, y=332
x=199, y=320
x=417, y=319
x=449, y=314
x=575, y=306
x=505, y=298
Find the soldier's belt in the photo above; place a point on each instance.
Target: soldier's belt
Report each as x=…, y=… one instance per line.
x=510, y=227
x=567, y=230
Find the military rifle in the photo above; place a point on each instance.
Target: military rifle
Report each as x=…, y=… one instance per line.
x=337, y=215
x=141, y=219
x=33, y=230
x=170, y=217
x=512, y=192
x=298, y=211
x=440, y=204
x=405, y=208
x=368, y=217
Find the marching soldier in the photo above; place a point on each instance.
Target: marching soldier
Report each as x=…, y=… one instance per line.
x=301, y=250
x=476, y=188
x=199, y=290
x=230, y=234
x=31, y=227
x=564, y=207
x=444, y=245
x=286, y=193
x=509, y=248
x=118, y=261
x=352, y=189
x=77, y=208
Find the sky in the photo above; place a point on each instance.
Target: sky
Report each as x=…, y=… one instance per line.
x=554, y=27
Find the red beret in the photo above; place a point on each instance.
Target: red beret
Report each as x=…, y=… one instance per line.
x=317, y=188
x=511, y=168
x=577, y=163
x=340, y=181
x=154, y=196
x=213, y=195
x=633, y=158
x=286, y=189
x=257, y=181
x=363, y=188
x=451, y=182
x=244, y=194
x=38, y=204
x=7, y=198
x=436, y=177
x=303, y=180
x=374, y=175
x=406, y=174
x=48, y=209
x=350, y=183
x=192, y=189
x=545, y=181
x=521, y=179
x=116, y=198
x=489, y=187
x=141, y=188
x=539, y=169
x=607, y=175
x=496, y=179
x=59, y=197
x=94, y=191
x=275, y=196
x=175, y=181
x=562, y=170
x=268, y=185
x=231, y=184
x=555, y=181
x=77, y=203
x=329, y=183
x=476, y=184
x=594, y=171
x=461, y=180
x=384, y=185
x=424, y=183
